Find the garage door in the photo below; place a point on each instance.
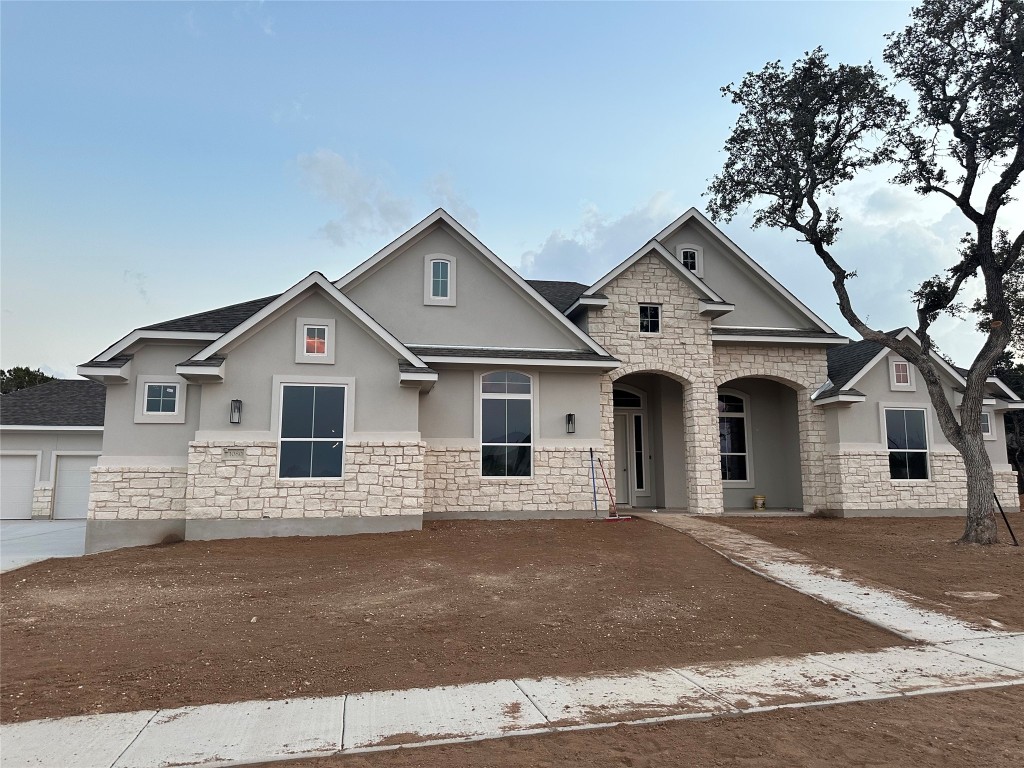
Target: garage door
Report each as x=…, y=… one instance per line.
x=71, y=494
x=17, y=481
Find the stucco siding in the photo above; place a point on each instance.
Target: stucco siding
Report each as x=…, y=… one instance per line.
x=47, y=442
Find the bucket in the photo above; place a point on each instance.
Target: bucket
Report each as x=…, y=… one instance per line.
x=760, y=502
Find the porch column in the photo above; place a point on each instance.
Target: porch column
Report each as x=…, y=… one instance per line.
x=811, y=422
x=703, y=464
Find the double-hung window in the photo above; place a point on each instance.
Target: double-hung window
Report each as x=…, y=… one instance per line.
x=732, y=438
x=986, y=426
x=439, y=276
x=907, y=440
x=161, y=398
x=650, y=318
x=312, y=430
x=506, y=424
x=901, y=376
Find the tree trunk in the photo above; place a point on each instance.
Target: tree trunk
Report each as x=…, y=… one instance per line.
x=981, y=514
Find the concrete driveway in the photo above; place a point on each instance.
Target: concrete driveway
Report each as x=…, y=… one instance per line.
x=29, y=541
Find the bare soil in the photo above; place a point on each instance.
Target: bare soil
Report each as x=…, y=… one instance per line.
x=979, y=728
x=207, y=622
x=914, y=554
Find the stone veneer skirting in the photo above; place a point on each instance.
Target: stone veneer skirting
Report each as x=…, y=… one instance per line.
x=859, y=483
x=42, y=502
x=561, y=484
x=137, y=493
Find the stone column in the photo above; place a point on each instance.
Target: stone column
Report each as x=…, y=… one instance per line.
x=811, y=424
x=703, y=464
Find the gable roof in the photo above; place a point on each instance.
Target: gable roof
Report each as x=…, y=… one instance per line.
x=57, y=403
x=219, y=320
x=441, y=216
x=560, y=294
x=281, y=301
x=653, y=246
x=695, y=215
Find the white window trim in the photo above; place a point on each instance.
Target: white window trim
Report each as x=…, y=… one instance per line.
x=747, y=437
x=699, y=250
x=479, y=419
x=990, y=433
x=142, y=382
x=428, y=298
x=277, y=415
x=883, y=407
x=661, y=318
x=893, y=385
x=301, y=323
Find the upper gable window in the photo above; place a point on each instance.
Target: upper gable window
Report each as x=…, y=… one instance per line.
x=159, y=399
x=314, y=340
x=439, y=280
x=692, y=257
x=901, y=375
x=650, y=318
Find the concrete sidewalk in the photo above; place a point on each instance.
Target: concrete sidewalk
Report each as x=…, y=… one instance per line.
x=28, y=541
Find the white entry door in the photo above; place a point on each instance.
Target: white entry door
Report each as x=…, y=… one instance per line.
x=71, y=491
x=17, y=481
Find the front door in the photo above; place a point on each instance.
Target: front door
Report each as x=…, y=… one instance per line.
x=631, y=465
x=623, y=475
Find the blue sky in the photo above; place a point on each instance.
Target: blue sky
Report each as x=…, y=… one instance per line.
x=160, y=159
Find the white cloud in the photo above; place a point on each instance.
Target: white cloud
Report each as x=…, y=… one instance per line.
x=365, y=204
x=441, y=191
x=598, y=241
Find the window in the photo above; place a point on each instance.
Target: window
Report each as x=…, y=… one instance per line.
x=622, y=398
x=732, y=438
x=650, y=318
x=907, y=441
x=901, y=375
x=986, y=426
x=638, y=452
x=312, y=430
x=161, y=398
x=506, y=424
x=692, y=257
x=316, y=339
x=439, y=279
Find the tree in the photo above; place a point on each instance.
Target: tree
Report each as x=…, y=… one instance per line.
x=803, y=132
x=21, y=377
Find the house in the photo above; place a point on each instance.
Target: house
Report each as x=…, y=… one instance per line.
x=50, y=437
x=432, y=381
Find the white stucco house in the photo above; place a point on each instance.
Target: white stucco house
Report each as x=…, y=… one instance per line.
x=432, y=381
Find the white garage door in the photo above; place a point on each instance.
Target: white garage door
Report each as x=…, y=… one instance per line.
x=17, y=481
x=71, y=494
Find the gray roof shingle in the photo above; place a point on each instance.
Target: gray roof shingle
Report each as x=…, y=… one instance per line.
x=561, y=294
x=846, y=361
x=57, y=403
x=215, y=320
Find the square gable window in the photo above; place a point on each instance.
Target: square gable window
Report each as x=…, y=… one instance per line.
x=901, y=375
x=314, y=340
x=159, y=399
x=650, y=318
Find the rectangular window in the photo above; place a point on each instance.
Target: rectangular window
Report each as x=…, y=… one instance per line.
x=439, y=279
x=650, y=318
x=986, y=424
x=312, y=430
x=315, y=339
x=907, y=441
x=161, y=398
x=689, y=259
x=506, y=425
x=732, y=437
x=902, y=377
x=638, y=451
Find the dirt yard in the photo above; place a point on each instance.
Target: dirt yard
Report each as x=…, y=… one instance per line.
x=207, y=622
x=914, y=554
x=980, y=728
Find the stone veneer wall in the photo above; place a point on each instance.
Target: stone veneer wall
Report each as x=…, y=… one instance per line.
x=42, y=502
x=804, y=369
x=682, y=351
x=561, y=482
x=859, y=480
x=137, y=493
x=381, y=478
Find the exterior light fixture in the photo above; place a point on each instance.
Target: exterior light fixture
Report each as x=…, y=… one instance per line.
x=235, y=416
x=570, y=423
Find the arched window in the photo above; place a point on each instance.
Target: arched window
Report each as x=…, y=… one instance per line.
x=692, y=257
x=439, y=280
x=506, y=424
x=734, y=437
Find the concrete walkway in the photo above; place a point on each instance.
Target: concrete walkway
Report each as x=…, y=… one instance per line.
x=29, y=541
x=954, y=656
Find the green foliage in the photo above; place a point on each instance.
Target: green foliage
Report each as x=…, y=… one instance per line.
x=21, y=377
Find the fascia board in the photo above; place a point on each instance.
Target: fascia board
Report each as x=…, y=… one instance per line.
x=441, y=215
x=45, y=428
x=313, y=279
x=532, y=362
x=840, y=400
x=724, y=338
x=142, y=335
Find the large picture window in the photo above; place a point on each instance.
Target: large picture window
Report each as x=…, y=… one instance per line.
x=506, y=424
x=732, y=438
x=907, y=440
x=312, y=430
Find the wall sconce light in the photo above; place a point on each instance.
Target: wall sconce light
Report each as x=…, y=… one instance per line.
x=235, y=416
x=570, y=423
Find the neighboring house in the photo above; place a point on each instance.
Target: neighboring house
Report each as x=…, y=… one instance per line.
x=432, y=381
x=50, y=437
